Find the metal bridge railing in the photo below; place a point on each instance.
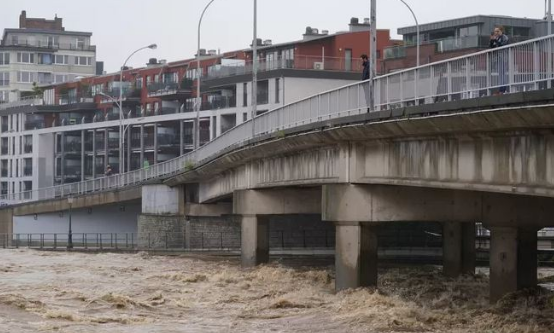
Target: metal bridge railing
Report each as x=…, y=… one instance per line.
x=518, y=67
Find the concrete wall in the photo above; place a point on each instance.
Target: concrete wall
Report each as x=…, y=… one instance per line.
x=118, y=218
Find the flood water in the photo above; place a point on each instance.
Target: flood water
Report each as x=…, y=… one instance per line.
x=78, y=292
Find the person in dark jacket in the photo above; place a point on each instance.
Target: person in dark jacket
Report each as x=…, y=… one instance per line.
x=500, y=58
x=365, y=77
x=365, y=64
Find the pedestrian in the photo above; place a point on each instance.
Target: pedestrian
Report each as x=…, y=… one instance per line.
x=146, y=164
x=109, y=171
x=500, y=58
x=365, y=77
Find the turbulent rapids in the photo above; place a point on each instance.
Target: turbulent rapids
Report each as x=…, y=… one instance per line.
x=75, y=292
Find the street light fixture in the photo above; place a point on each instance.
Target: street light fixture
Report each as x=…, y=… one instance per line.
x=121, y=155
x=417, y=31
x=198, y=74
x=70, y=234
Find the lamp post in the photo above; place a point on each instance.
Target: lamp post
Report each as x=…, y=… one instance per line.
x=372, y=52
x=255, y=69
x=118, y=104
x=417, y=31
x=121, y=155
x=198, y=75
x=70, y=234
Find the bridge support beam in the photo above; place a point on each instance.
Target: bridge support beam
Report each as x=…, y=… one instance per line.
x=356, y=255
x=6, y=221
x=256, y=206
x=458, y=248
x=254, y=240
x=162, y=222
x=513, y=260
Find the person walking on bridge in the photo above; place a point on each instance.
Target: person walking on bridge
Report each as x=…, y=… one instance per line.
x=365, y=77
x=500, y=58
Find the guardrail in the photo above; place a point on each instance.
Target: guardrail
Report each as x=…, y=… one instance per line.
x=518, y=67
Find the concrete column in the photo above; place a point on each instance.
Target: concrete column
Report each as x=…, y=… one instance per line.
x=93, y=153
x=452, y=249
x=141, y=146
x=155, y=143
x=6, y=221
x=254, y=240
x=181, y=138
x=513, y=260
x=468, y=248
x=356, y=255
x=527, y=258
x=82, y=155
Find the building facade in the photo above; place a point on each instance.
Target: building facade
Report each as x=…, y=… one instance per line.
x=41, y=52
x=72, y=132
x=447, y=39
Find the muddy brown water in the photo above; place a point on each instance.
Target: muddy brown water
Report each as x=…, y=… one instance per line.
x=132, y=293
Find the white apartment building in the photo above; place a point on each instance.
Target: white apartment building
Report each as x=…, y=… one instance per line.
x=42, y=52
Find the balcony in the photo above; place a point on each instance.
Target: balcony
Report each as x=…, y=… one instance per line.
x=299, y=62
x=42, y=44
x=35, y=124
x=168, y=140
x=113, y=143
x=170, y=90
x=23, y=101
x=219, y=102
x=72, y=147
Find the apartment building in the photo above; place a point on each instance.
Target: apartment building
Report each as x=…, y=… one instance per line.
x=72, y=132
x=41, y=52
x=451, y=38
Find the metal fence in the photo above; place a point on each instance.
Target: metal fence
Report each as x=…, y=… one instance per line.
x=198, y=241
x=518, y=67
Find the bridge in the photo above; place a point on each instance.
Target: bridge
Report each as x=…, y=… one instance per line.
x=439, y=145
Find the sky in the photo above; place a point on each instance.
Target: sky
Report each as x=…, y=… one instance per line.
x=121, y=26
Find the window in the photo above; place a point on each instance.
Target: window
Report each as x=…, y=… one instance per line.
x=472, y=30
x=4, y=79
x=156, y=78
x=52, y=41
x=148, y=109
x=60, y=78
x=277, y=90
x=15, y=40
x=45, y=59
x=25, y=77
x=4, y=96
x=25, y=58
x=245, y=94
x=83, y=61
x=80, y=43
x=138, y=82
x=4, y=58
x=61, y=59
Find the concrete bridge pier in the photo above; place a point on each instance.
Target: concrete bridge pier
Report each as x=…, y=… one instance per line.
x=513, y=260
x=355, y=255
x=255, y=208
x=161, y=223
x=358, y=209
x=458, y=248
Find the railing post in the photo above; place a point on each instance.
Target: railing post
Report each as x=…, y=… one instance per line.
x=536, y=65
x=549, y=63
x=511, y=70
x=468, y=79
x=449, y=80
x=489, y=74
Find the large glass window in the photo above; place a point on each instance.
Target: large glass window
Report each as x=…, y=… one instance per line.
x=25, y=58
x=4, y=96
x=83, y=61
x=4, y=58
x=61, y=59
x=4, y=79
x=25, y=77
x=471, y=30
x=45, y=59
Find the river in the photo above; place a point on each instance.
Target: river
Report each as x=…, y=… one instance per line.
x=139, y=293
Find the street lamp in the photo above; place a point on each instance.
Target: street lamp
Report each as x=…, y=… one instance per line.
x=417, y=31
x=118, y=104
x=121, y=155
x=198, y=74
x=70, y=234
x=255, y=69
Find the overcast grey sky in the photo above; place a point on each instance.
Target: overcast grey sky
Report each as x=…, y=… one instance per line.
x=121, y=26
